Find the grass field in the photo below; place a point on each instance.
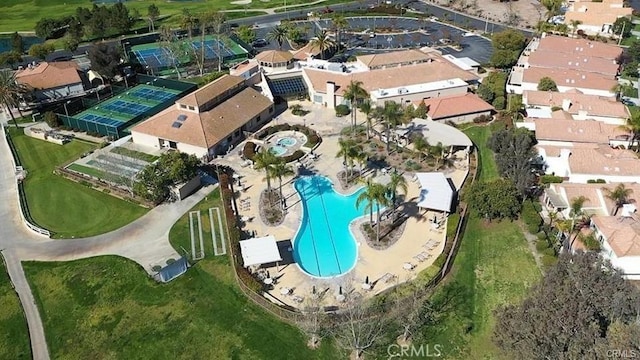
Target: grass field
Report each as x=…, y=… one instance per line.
x=14, y=335
x=25, y=14
x=494, y=266
x=106, y=307
x=67, y=208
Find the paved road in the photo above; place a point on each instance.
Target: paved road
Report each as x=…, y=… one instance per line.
x=145, y=241
x=39, y=348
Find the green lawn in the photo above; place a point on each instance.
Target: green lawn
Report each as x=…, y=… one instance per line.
x=25, y=14
x=14, y=335
x=494, y=266
x=67, y=208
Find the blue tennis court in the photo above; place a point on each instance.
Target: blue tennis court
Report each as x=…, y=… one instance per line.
x=100, y=119
x=125, y=107
x=151, y=94
x=211, y=49
x=155, y=57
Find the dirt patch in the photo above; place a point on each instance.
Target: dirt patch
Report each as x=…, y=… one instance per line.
x=524, y=13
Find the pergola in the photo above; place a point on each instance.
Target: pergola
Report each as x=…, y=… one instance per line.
x=258, y=251
x=436, y=192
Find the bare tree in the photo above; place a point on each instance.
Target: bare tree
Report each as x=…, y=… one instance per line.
x=359, y=325
x=410, y=312
x=313, y=322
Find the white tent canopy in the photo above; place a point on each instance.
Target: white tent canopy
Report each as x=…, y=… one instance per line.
x=258, y=251
x=436, y=192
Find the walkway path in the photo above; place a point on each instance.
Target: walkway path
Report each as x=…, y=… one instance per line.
x=145, y=241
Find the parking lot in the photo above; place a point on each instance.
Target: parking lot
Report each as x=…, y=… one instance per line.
x=375, y=34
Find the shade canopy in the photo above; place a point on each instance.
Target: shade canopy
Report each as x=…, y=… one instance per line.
x=436, y=192
x=258, y=251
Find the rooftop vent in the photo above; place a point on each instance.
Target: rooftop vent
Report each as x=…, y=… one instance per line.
x=176, y=124
x=182, y=117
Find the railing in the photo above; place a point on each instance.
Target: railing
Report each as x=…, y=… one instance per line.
x=25, y=214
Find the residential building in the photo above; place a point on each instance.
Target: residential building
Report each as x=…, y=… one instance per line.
x=596, y=18
x=456, y=108
x=52, y=81
x=209, y=121
x=562, y=132
x=589, y=67
x=541, y=104
x=619, y=238
x=580, y=163
x=558, y=198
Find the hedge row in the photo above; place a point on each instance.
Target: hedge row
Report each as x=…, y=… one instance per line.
x=531, y=217
x=551, y=179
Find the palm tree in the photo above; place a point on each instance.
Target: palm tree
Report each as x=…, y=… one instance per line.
x=354, y=93
x=349, y=150
x=278, y=34
x=619, y=195
x=420, y=145
x=437, y=151
x=367, y=110
x=576, y=213
x=264, y=160
x=574, y=26
x=397, y=183
x=374, y=193
x=368, y=197
x=279, y=170
x=322, y=42
x=632, y=126
x=339, y=22
x=392, y=116
x=10, y=92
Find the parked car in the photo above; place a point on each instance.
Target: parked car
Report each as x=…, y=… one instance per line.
x=260, y=43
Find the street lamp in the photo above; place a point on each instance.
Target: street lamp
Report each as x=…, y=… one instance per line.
x=66, y=111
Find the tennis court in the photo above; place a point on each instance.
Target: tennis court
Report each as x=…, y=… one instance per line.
x=112, y=116
x=155, y=56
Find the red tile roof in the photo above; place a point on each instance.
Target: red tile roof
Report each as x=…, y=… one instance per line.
x=456, y=105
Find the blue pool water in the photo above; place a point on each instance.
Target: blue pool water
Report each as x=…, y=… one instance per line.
x=323, y=245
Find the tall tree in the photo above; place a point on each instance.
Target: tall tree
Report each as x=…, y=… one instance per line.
x=397, y=183
x=218, y=21
x=367, y=198
x=279, y=170
x=104, y=59
x=17, y=44
x=349, y=151
x=516, y=157
x=392, y=117
x=420, y=145
x=374, y=195
x=620, y=195
x=339, y=23
x=172, y=48
x=577, y=215
x=265, y=160
x=507, y=46
x=547, y=84
x=153, y=13
x=366, y=109
x=581, y=307
x=437, y=152
x=354, y=93
x=633, y=127
x=323, y=42
x=574, y=26
x=278, y=34
x=188, y=22
x=497, y=199
x=10, y=92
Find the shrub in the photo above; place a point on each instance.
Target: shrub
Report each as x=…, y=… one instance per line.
x=549, y=252
x=531, y=217
x=249, y=150
x=542, y=245
x=342, y=110
x=551, y=179
x=549, y=261
x=295, y=156
x=499, y=103
x=482, y=119
x=52, y=119
x=312, y=140
x=596, y=181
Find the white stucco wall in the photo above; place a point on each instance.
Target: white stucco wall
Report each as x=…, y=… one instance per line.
x=153, y=141
x=629, y=265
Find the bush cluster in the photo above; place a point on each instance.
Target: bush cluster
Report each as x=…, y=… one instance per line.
x=482, y=119
x=551, y=179
x=531, y=217
x=249, y=150
x=342, y=110
x=596, y=181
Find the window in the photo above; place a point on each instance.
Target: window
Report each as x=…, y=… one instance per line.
x=183, y=106
x=258, y=118
x=237, y=133
x=229, y=139
x=191, y=108
x=173, y=145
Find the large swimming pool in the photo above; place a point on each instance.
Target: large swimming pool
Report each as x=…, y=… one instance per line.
x=323, y=245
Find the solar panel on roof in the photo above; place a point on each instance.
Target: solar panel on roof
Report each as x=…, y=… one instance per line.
x=176, y=124
x=294, y=85
x=182, y=117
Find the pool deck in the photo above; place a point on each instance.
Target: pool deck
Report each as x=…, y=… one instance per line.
x=384, y=268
